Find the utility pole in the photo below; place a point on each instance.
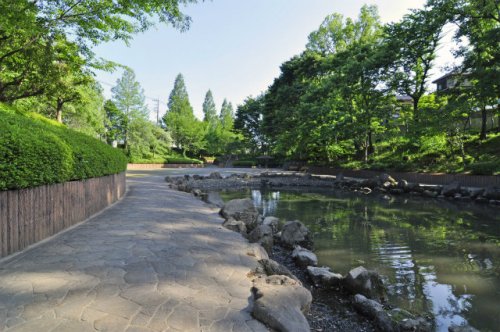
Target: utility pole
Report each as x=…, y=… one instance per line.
x=157, y=100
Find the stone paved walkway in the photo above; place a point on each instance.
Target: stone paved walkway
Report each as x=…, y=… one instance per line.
x=158, y=260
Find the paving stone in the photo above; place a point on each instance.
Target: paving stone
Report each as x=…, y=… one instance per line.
x=159, y=260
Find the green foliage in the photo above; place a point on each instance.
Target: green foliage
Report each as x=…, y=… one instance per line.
x=209, y=109
x=36, y=151
x=182, y=160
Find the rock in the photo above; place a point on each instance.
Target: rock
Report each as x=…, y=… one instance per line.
x=323, y=277
x=257, y=251
x=272, y=267
x=339, y=178
x=215, y=176
x=304, y=257
x=462, y=328
x=187, y=177
x=408, y=322
x=367, y=283
x=403, y=184
x=384, y=177
x=235, y=225
x=197, y=177
x=262, y=234
x=451, y=189
x=169, y=179
x=457, y=196
x=375, y=311
x=280, y=303
x=214, y=198
x=196, y=192
x=370, y=183
x=414, y=187
x=474, y=193
x=241, y=209
x=494, y=202
x=272, y=222
x=366, y=190
x=295, y=233
x=428, y=193
x=492, y=193
x=481, y=200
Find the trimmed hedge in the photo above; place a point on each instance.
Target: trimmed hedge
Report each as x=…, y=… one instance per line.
x=177, y=160
x=36, y=151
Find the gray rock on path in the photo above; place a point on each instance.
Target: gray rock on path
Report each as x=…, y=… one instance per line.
x=304, y=257
x=262, y=234
x=241, y=209
x=365, y=282
x=280, y=303
x=324, y=277
x=237, y=226
x=295, y=233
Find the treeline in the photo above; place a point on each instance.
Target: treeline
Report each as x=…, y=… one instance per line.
x=358, y=96
x=47, y=66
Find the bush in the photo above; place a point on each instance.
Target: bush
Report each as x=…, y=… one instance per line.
x=181, y=160
x=491, y=167
x=35, y=151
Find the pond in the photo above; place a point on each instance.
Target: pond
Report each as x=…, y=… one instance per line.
x=438, y=258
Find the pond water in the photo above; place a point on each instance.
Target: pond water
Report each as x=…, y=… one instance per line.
x=438, y=258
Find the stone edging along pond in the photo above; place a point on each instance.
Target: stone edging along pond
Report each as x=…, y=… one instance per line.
x=30, y=215
x=281, y=299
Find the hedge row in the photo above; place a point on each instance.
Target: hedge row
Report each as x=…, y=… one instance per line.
x=35, y=151
x=165, y=160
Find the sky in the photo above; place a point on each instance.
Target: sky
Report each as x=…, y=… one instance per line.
x=233, y=47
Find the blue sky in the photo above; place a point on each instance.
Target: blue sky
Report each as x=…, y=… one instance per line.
x=234, y=47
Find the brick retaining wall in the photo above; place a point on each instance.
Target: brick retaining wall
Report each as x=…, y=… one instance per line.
x=424, y=178
x=132, y=167
x=28, y=216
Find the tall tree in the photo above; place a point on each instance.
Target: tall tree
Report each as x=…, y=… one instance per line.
x=128, y=96
x=209, y=109
x=187, y=131
x=227, y=115
x=412, y=43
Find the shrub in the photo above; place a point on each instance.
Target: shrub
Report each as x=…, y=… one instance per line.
x=181, y=160
x=491, y=167
x=35, y=151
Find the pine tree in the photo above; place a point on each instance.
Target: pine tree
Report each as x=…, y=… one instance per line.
x=209, y=109
x=227, y=115
x=179, y=99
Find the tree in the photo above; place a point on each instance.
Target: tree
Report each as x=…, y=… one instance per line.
x=248, y=122
x=115, y=123
x=412, y=43
x=479, y=22
x=187, y=131
x=128, y=97
x=227, y=115
x=31, y=31
x=209, y=109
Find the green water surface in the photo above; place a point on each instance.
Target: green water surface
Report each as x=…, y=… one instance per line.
x=438, y=258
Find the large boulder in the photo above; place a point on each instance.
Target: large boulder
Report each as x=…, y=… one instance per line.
x=451, y=189
x=280, y=303
x=272, y=222
x=237, y=226
x=241, y=209
x=295, y=233
x=384, y=177
x=365, y=282
x=262, y=234
x=375, y=311
x=324, y=277
x=213, y=197
x=215, y=176
x=304, y=257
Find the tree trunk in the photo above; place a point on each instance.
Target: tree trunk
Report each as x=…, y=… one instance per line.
x=484, y=121
x=59, y=109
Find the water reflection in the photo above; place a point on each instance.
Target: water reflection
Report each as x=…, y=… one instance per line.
x=438, y=258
